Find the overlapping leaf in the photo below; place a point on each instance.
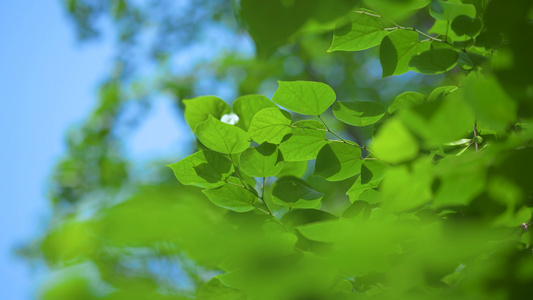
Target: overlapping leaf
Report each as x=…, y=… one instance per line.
x=198, y=109
x=365, y=30
x=204, y=169
x=270, y=125
x=358, y=113
x=338, y=161
x=434, y=61
x=222, y=137
x=295, y=193
x=247, y=106
x=261, y=161
x=232, y=195
x=397, y=49
x=305, y=141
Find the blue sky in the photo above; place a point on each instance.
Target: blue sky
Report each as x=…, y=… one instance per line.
x=47, y=84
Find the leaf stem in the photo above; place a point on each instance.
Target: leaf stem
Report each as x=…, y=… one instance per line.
x=475, y=135
x=263, y=196
x=330, y=131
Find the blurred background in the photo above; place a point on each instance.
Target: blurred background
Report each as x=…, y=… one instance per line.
x=92, y=112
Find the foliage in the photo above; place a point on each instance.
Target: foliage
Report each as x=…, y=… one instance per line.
x=318, y=196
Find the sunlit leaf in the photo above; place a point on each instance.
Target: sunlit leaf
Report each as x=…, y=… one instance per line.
x=261, y=161
x=362, y=32
x=338, y=161
x=232, y=195
x=222, y=137
x=204, y=169
x=394, y=143
x=359, y=113
x=198, y=109
x=295, y=193
x=372, y=171
x=305, y=141
x=304, y=97
x=270, y=125
x=397, y=49
x=293, y=168
x=396, y=10
x=247, y=106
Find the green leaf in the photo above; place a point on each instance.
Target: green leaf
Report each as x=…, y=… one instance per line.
x=441, y=92
x=363, y=32
x=222, y=137
x=215, y=290
x=460, y=180
x=304, y=97
x=261, y=161
x=297, y=217
x=449, y=10
x=404, y=190
x=397, y=49
x=405, y=100
x=247, y=106
x=434, y=61
x=295, y=193
x=198, y=109
x=470, y=61
x=306, y=140
x=441, y=121
x=489, y=101
x=338, y=161
x=270, y=125
x=293, y=168
x=372, y=171
x=324, y=231
x=394, y=143
x=232, y=196
x=395, y=9
x=464, y=25
x=204, y=169
x=359, y=113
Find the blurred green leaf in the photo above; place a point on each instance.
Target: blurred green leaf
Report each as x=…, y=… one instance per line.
x=215, y=290
x=394, y=143
x=434, y=61
x=489, y=102
x=449, y=10
x=406, y=100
